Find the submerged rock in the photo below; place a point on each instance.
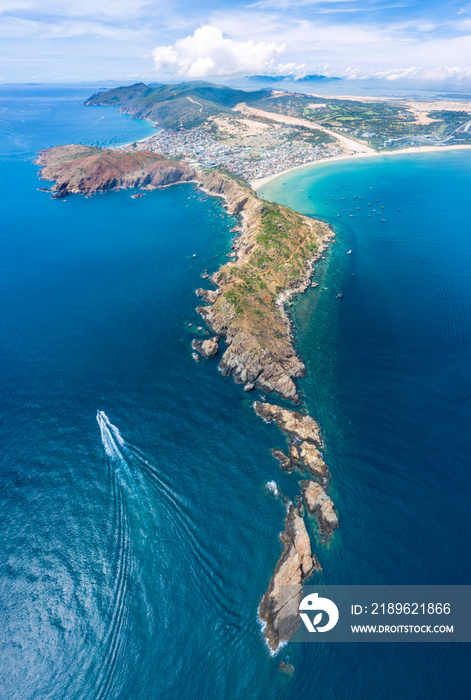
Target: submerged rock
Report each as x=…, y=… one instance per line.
x=279, y=606
x=285, y=462
x=317, y=501
x=286, y=668
x=206, y=348
x=272, y=488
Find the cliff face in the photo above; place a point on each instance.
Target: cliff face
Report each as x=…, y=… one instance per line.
x=274, y=256
x=86, y=170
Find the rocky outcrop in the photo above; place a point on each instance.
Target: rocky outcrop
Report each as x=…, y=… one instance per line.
x=305, y=431
x=318, y=502
x=300, y=426
x=87, y=170
x=206, y=348
x=279, y=606
x=313, y=461
x=208, y=295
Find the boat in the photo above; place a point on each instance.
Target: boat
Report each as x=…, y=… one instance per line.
x=137, y=196
x=339, y=295
x=349, y=252
x=383, y=219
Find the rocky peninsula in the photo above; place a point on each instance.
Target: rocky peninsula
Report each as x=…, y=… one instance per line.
x=272, y=260
x=274, y=255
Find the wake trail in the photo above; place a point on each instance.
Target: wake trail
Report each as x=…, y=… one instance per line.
x=181, y=513
x=129, y=460
x=113, y=444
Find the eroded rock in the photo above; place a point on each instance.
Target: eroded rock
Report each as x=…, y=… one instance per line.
x=279, y=606
x=206, y=348
x=303, y=427
x=317, y=501
x=284, y=461
x=209, y=295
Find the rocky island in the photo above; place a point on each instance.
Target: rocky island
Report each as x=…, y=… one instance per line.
x=278, y=610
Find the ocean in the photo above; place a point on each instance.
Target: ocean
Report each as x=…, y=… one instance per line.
x=136, y=548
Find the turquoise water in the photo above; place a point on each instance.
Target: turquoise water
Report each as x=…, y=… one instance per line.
x=133, y=562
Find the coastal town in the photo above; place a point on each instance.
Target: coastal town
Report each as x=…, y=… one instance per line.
x=250, y=148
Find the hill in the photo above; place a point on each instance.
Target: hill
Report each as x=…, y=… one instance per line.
x=176, y=106
x=87, y=170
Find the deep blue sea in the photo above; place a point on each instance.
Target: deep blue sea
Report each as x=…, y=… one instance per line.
x=134, y=556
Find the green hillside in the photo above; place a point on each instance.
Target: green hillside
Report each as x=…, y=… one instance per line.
x=175, y=106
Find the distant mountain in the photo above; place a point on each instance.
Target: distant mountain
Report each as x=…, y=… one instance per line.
x=279, y=78
x=316, y=78
x=182, y=105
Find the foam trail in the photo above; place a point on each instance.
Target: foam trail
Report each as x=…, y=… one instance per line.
x=110, y=436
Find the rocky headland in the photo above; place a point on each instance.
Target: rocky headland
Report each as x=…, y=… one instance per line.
x=87, y=170
x=273, y=256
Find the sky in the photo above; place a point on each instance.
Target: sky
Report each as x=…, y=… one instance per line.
x=152, y=40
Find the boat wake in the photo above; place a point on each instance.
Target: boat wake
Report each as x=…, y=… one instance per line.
x=145, y=482
x=110, y=436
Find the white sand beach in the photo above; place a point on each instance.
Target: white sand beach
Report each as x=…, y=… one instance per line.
x=256, y=184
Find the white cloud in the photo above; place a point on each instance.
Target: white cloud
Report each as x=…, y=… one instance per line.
x=78, y=8
x=208, y=52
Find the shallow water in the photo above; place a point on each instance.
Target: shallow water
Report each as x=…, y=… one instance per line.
x=136, y=547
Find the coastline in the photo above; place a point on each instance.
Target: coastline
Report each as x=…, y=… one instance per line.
x=256, y=184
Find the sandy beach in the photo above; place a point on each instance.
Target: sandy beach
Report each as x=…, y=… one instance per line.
x=256, y=184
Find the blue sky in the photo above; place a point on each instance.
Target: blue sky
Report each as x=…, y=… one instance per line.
x=75, y=40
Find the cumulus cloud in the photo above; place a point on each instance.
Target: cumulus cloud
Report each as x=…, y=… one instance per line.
x=208, y=52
